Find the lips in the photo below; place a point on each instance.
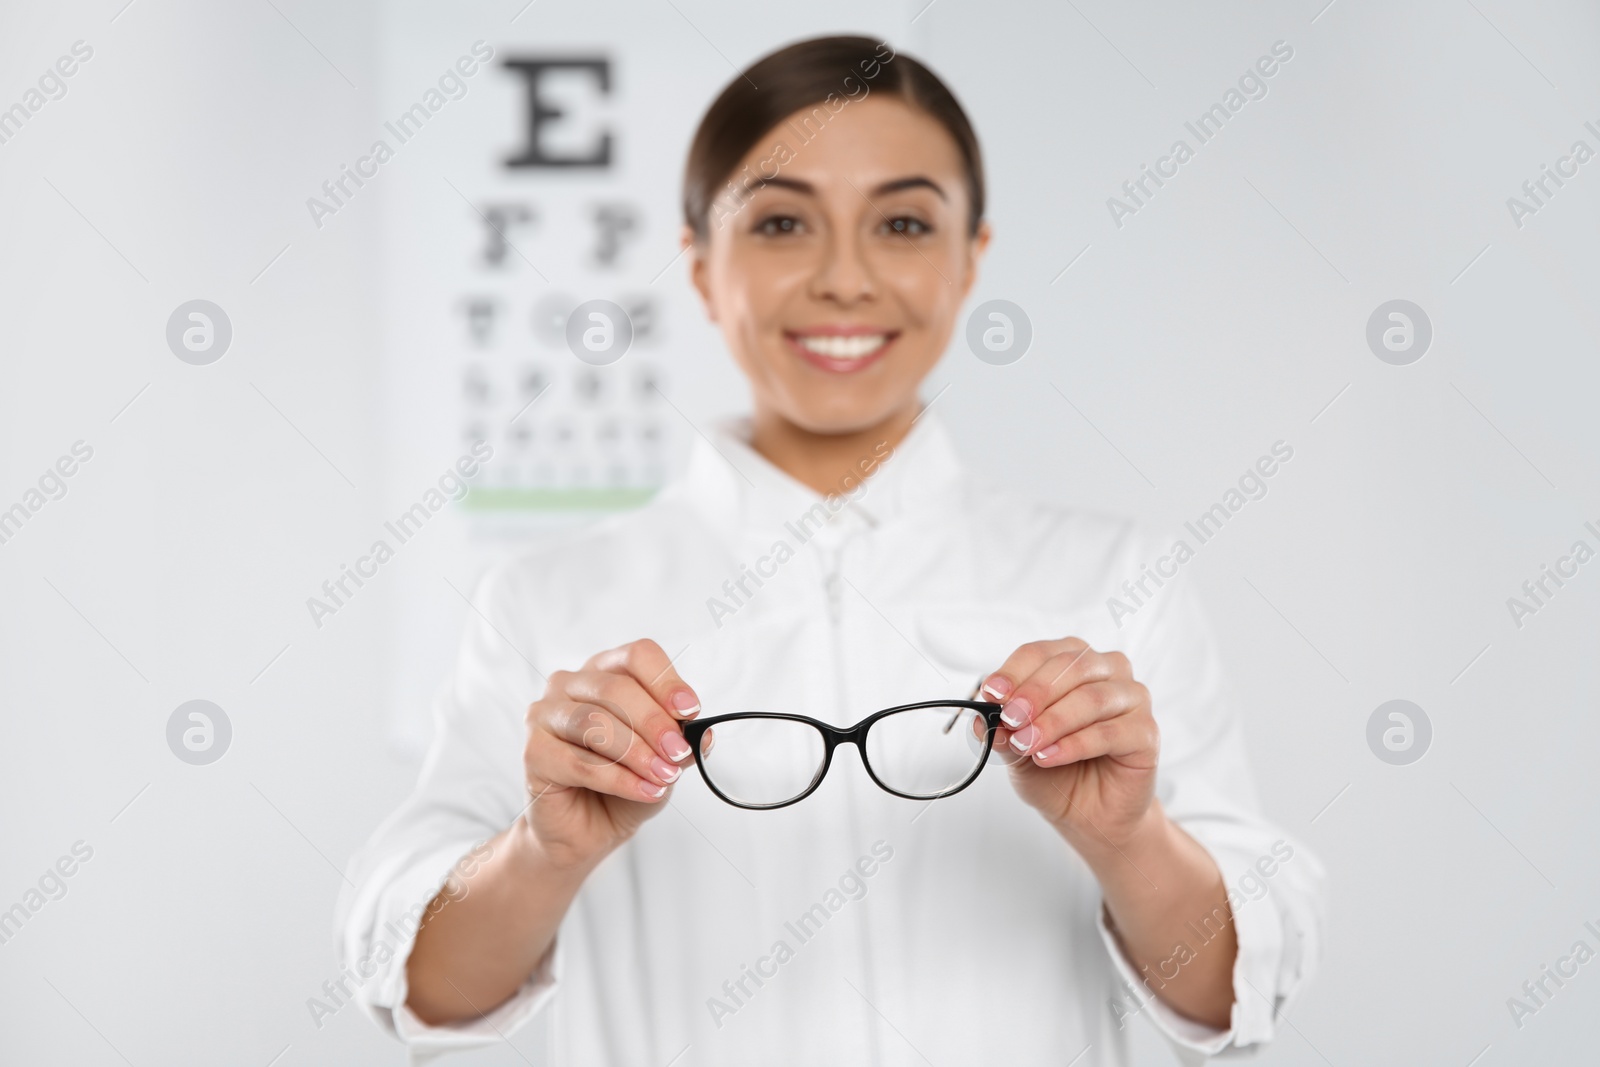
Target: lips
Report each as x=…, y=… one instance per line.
x=841, y=350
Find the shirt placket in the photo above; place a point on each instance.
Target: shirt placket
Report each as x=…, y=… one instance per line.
x=833, y=542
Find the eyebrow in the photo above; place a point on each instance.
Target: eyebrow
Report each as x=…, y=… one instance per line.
x=917, y=181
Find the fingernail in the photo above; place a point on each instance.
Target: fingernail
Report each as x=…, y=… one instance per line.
x=664, y=770
x=997, y=687
x=1024, y=737
x=685, y=704
x=1017, y=712
x=655, y=792
x=1046, y=752
x=673, y=744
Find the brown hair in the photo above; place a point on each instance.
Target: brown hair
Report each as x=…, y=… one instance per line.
x=814, y=73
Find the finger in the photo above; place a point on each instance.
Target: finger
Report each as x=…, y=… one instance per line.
x=980, y=726
x=1124, y=736
x=1021, y=665
x=624, y=697
x=1024, y=662
x=648, y=664
x=560, y=763
x=1002, y=748
x=1088, y=703
x=1057, y=676
x=602, y=737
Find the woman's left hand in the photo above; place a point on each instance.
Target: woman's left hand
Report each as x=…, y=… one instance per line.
x=1080, y=738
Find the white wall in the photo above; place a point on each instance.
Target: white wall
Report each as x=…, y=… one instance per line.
x=1220, y=318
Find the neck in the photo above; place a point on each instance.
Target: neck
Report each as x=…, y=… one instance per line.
x=823, y=461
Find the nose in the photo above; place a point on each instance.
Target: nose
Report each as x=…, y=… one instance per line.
x=843, y=275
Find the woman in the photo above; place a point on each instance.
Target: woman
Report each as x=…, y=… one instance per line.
x=829, y=557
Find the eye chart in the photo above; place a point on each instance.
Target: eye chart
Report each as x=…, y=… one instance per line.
x=528, y=171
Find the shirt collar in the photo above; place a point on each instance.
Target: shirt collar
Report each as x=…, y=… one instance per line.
x=738, y=489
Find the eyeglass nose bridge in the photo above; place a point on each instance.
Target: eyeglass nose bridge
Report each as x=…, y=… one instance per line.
x=855, y=735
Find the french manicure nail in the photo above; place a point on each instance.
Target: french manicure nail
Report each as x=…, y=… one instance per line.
x=655, y=791
x=673, y=744
x=1024, y=737
x=997, y=687
x=664, y=770
x=1046, y=752
x=1016, y=713
x=685, y=704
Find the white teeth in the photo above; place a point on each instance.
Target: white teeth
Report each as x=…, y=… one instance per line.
x=852, y=347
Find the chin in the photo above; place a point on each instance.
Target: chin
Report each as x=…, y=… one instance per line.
x=841, y=418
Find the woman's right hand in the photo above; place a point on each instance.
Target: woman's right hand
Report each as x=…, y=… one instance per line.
x=604, y=748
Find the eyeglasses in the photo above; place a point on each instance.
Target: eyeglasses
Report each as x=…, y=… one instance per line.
x=761, y=759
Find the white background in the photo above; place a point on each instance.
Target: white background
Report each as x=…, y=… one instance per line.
x=1224, y=316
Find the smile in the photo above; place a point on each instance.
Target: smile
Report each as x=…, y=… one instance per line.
x=841, y=351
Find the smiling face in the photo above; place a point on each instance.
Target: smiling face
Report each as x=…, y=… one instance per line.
x=836, y=283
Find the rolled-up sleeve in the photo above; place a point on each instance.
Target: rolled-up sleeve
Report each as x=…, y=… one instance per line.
x=470, y=789
x=1275, y=884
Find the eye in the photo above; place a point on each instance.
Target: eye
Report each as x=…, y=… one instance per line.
x=777, y=225
x=908, y=226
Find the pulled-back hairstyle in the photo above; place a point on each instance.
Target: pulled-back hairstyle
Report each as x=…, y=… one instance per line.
x=824, y=74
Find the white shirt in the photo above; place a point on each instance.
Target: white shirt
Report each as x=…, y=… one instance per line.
x=961, y=931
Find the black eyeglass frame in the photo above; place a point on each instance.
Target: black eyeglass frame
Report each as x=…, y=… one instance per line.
x=832, y=737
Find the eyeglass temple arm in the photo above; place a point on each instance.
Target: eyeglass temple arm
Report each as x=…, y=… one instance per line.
x=976, y=689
